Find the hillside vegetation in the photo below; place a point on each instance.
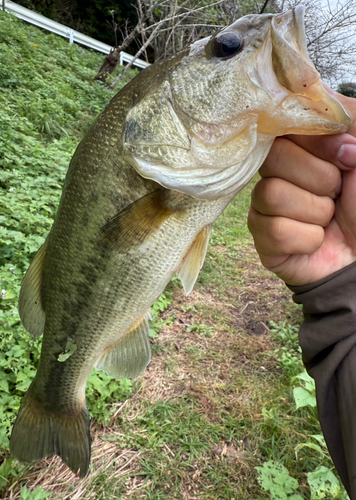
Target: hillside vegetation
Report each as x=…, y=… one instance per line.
x=214, y=416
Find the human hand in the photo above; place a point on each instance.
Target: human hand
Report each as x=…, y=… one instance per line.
x=300, y=232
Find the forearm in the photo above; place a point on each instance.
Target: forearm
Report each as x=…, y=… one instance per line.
x=328, y=341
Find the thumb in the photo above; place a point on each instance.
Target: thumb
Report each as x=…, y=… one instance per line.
x=349, y=103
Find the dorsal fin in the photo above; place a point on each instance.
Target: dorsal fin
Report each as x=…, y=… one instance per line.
x=194, y=260
x=130, y=355
x=130, y=227
x=31, y=310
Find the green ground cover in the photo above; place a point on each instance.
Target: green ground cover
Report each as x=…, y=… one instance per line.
x=225, y=410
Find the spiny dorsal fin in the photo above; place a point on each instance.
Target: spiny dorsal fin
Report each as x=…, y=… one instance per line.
x=130, y=227
x=194, y=260
x=130, y=355
x=31, y=309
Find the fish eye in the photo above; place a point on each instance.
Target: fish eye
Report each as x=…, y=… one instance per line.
x=227, y=45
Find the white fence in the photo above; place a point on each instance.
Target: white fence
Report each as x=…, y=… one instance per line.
x=59, y=29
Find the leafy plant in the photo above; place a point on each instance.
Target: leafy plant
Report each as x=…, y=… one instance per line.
x=273, y=476
x=201, y=329
x=102, y=390
x=304, y=395
x=160, y=305
x=288, y=354
x=47, y=101
x=275, y=479
x=7, y=472
x=324, y=484
x=37, y=494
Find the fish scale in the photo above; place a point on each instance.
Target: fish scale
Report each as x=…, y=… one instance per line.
x=143, y=189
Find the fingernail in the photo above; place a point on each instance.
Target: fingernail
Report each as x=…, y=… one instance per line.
x=347, y=155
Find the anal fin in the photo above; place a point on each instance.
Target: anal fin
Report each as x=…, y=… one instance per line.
x=130, y=355
x=31, y=309
x=194, y=259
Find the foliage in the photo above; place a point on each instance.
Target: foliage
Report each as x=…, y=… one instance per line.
x=323, y=484
x=7, y=472
x=195, y=20
x=348, y=89
x=88, y=16
x=161, y=304
x=275, y=478
x=289, y=353
x=304, y=395
x=36, y=494
x=102, y=390
x=47, y=102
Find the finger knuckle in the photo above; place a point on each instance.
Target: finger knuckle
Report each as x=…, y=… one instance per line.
x=251, y=220
x=273, y=194
x=329, y=210
x=277, y=230
x=330, y=179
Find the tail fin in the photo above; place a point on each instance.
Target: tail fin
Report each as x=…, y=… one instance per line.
x=38, y=433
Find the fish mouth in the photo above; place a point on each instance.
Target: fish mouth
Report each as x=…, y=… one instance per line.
x=299, y=88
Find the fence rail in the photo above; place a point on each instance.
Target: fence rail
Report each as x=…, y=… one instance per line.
x=36, y=19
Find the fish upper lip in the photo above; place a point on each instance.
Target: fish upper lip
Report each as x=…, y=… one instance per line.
x=279, y=22
x=290, y=59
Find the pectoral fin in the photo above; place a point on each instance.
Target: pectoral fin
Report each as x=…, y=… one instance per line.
x=130, y=355
x=194, y=260
x=138, y=221
x=31, y=309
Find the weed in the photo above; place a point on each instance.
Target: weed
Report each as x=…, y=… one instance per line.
x=36, y=494
x=289, y=354
x=158, y=307
x=275, y=478
x=45, y=107
x=102, y=390
x=201, y=329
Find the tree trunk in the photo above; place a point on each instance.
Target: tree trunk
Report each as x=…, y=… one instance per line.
x=109, y=64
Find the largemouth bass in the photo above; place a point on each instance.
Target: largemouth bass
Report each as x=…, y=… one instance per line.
x=143, y=189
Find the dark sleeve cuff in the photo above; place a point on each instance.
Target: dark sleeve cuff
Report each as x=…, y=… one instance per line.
x=328, y=341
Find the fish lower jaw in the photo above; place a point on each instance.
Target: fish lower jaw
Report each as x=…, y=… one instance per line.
x=301, y=114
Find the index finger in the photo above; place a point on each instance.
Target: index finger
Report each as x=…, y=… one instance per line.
x=337, y=149
x=293, y=163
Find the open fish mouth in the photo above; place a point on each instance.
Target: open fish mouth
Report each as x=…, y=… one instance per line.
x=286, y=73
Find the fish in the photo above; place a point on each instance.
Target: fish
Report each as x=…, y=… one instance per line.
x=145, y=185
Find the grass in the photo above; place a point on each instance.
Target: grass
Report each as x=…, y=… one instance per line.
x=217, y=398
